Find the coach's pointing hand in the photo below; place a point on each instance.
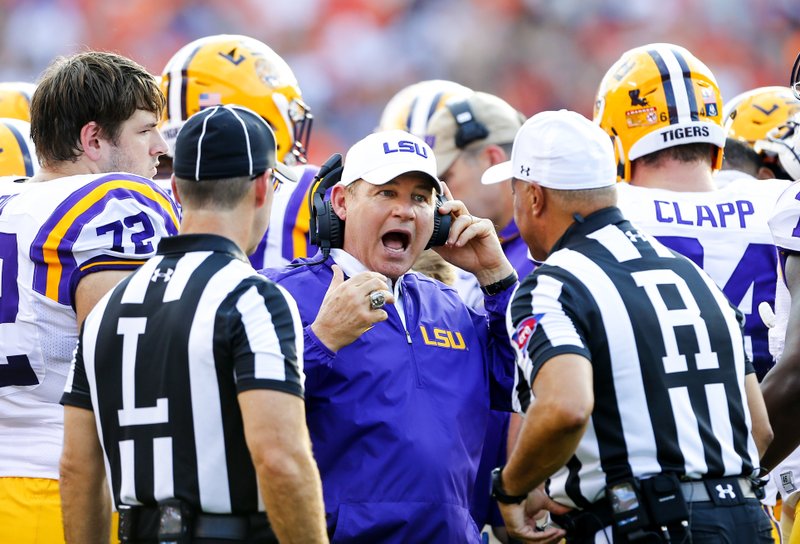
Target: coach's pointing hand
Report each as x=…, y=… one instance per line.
x=347, y=311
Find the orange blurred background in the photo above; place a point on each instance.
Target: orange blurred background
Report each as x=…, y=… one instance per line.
x=351, y=56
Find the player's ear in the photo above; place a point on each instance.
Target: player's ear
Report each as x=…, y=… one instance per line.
x=90, y=140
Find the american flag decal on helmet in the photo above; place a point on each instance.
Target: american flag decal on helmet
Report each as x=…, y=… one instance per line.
x=208, y=100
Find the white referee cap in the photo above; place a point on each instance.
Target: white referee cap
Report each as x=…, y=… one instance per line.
x=559, y=150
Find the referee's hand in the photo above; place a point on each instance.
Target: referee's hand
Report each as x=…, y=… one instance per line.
x=346, y=313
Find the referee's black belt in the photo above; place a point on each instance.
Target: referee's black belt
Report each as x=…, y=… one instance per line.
x=586, y=522
x=141, y=524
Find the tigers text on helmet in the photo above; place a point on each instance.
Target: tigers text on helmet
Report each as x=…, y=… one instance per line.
x=412, y=107
x=15, y=99
x=658, y=96
x=17, y=152
x=234, y=69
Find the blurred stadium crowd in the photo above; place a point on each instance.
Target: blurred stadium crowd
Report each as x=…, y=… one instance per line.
x=351, y=56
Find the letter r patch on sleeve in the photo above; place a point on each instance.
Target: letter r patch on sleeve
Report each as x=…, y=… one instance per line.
x=525, y=329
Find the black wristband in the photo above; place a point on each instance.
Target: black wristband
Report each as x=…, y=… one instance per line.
x=499, y=494
x=500, y=286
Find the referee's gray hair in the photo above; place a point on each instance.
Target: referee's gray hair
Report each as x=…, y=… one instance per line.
x=601, y=197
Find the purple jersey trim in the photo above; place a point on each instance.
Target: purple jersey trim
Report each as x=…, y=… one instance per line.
x=298, y=200
x=64, y=249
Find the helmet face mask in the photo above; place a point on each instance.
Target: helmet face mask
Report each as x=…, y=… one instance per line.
x=658, y=96
x=784, y=142
x=233, y=69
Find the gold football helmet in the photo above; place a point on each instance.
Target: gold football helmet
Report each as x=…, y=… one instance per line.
x=659, y=96
x=234, y=69
x=17, y=152
x=751, y=115
x=413, y=106
x=15, y=100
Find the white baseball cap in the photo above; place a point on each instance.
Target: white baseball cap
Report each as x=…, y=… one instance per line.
x=559, y=150
x=382, y=156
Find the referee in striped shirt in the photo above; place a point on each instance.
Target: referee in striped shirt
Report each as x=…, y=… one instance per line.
x=647, y=418
x=187, y=382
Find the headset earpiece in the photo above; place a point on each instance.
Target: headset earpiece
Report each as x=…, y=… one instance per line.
x=441, y=224
x=469, y=128
x=326, y=230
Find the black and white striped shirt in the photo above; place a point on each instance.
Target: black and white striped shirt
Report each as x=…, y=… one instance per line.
x=161, y=360
x=666, y=349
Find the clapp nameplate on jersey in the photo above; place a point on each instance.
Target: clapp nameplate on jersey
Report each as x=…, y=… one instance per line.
x=443, y=338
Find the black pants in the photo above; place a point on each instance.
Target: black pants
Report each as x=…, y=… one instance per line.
x=709, y=524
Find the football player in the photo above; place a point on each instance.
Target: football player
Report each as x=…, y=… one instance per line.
x=666, y=127
x=781, y=385
x=662, y=108
x=67, y=236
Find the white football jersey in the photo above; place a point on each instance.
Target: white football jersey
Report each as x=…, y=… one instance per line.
x=785, y=227
x=785, y=220
x=723, y=178
x=725, y=232
x=52, y=234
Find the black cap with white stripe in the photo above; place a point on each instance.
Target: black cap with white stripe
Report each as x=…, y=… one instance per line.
x=226, y=142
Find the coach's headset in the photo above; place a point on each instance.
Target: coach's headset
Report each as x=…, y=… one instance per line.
x=326, y=229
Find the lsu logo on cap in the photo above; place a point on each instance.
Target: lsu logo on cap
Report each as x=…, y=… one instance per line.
x=405, y=146
x=525, y=331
